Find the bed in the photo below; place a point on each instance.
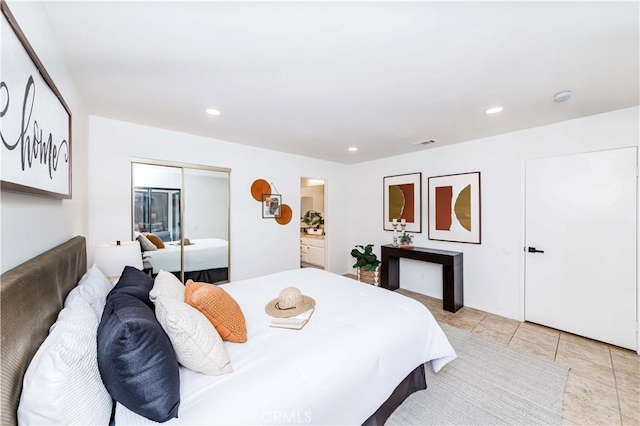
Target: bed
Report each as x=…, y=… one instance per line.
x=205, y=259
x=361, y=354
x=32, y=295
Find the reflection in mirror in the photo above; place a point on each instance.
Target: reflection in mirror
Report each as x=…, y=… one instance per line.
x=306, y=204
x=157, y=210
x=206, y=225
x=184, y=212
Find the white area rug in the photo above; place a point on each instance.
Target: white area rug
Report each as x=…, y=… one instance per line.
x=488, y=384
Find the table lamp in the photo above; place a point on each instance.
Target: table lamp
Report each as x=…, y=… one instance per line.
x=111, y=258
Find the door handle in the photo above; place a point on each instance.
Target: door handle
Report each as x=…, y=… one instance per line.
x=533, y=250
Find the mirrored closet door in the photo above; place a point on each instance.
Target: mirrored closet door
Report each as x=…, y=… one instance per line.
x=180, y=215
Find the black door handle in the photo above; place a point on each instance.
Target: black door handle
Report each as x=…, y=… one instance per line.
x=533, y=250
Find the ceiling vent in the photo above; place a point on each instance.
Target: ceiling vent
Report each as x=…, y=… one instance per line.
x=427, y=142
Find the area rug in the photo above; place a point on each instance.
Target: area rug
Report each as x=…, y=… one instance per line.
x=488, y=384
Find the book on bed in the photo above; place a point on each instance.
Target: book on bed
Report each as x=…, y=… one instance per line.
x=295, y=323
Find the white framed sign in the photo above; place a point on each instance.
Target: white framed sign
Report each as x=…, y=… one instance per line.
x=35, y=121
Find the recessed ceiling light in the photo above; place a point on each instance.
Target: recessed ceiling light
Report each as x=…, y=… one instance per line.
x=212, y=111
x=494, y=110
x=353, y=149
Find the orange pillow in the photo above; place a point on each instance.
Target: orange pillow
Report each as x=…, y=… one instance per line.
x=157, y=241
x=219, y=308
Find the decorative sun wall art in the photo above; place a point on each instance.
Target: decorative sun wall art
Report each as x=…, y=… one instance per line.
x=454, y=208
x=402, y=199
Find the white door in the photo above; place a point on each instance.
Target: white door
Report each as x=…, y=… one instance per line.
x=581, y=216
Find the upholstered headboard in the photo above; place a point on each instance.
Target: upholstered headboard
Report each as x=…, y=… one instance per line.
x=32, y=295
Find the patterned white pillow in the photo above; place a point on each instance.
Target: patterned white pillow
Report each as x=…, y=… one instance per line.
x=197, y=344
x=62, y=384
x=167, y=285
x=94, y=287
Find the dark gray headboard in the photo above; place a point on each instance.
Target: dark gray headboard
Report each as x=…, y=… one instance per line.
x=32, y=295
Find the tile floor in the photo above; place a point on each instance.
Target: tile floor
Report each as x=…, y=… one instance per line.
x=603, y=386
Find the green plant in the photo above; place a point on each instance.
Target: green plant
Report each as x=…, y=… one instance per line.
x=313, y=219
x=406, y=239
x=365, y=257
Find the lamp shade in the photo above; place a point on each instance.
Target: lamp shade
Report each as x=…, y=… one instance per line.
x=111, y=258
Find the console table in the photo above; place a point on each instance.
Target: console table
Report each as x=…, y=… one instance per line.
x=451, y=261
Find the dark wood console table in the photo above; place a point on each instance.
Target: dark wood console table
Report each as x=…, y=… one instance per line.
x=451, y=261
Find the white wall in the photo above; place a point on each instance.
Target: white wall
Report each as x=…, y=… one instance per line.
x=493, y=271
x=30, y=224
x=258, y=246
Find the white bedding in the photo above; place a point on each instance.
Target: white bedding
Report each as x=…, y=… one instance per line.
x=205, y=253
x=360, y=343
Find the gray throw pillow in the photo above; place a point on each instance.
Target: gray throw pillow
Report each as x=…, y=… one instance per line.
x=146, y=244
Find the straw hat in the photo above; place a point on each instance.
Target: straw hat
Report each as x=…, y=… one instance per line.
x=290, y=303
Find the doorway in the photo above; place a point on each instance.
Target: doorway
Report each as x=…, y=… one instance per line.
x=313, y=236
x=580, y=260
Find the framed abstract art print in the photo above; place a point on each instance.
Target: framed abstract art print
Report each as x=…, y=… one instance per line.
x=402, y=200
x=454, y=208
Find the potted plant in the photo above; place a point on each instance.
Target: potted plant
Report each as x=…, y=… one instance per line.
x=313, y=220
x=367, y=264
x=406, y=240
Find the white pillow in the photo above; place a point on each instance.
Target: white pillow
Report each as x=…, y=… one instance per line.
x=94, y=287
x=197, y=344
x=145, y=243
x=167, y=285
x=62, y=384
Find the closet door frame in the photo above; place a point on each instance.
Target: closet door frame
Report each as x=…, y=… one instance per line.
x=182, y=166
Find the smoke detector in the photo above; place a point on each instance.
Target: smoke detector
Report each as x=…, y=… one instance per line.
x=427, y=142
x=562, y=96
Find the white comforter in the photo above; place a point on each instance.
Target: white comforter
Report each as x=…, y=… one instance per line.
x=205, y=253
x=360, y=343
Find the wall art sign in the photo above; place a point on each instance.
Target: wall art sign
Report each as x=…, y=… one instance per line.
x=454, y=208
x=35, y=121
x=402, y=199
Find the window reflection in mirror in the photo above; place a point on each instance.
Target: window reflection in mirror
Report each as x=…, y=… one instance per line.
x=157, y=210
x=186, y=207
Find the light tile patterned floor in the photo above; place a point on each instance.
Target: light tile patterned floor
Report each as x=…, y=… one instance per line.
x=603, y=387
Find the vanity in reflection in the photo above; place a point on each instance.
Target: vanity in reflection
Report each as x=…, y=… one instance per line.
x=183, y=210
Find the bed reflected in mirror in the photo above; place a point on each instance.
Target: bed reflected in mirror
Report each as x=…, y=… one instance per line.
x=181, y=218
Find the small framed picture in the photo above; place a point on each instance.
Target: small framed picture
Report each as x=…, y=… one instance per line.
x=271, y=206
